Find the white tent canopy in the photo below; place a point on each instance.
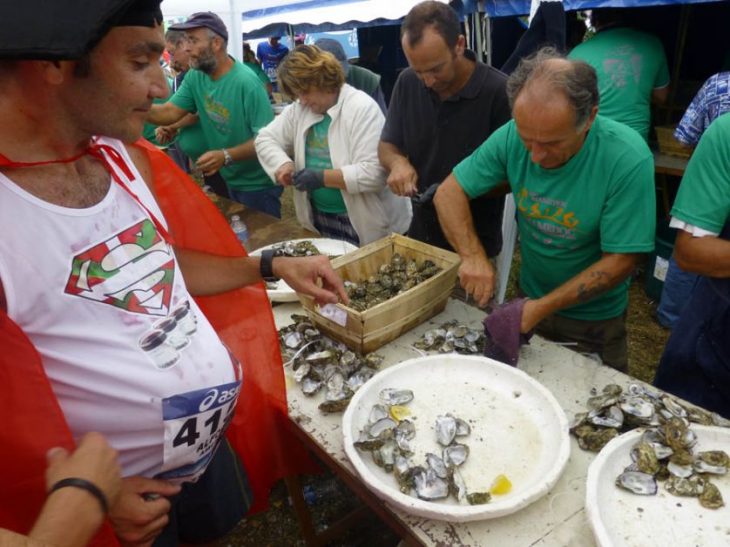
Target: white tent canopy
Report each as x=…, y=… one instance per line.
x=332, y=13
x=247, y=16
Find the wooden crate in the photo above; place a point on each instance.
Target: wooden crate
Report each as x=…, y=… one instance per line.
x=668, y=144
x=368, y=330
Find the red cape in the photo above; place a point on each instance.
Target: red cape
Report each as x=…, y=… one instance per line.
x=33, y=421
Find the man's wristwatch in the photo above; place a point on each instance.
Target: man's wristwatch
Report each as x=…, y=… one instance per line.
x=266, y=265
x=227, y=159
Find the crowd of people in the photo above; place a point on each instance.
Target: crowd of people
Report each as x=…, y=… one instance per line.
x=136, y=330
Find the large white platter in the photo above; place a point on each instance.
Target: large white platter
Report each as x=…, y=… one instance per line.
x=620, y=518
x=518, y=429
x=329, y=247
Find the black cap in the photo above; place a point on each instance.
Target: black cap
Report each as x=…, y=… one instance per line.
x=335, y=48
x=206, y=19
x=67, y=29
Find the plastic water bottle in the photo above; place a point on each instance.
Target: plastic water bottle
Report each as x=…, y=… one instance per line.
x=313, y=494
x=239, y=228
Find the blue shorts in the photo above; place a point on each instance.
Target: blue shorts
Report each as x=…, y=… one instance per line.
x=211, y=507
x=267, y=200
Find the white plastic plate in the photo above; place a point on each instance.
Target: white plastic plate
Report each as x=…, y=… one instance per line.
x=329, y=247
x=620, y=518
x=518, y=429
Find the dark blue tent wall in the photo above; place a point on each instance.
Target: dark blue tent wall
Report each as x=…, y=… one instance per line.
x=507, y=8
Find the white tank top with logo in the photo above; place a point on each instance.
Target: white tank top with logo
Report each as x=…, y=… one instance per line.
x=127, y=351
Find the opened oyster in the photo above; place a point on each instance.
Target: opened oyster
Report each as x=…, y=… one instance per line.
x=387, y=435
x=320, y=364
x=452, y=336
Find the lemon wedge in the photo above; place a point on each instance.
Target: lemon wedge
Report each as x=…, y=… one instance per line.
x=398, y=412
x=501, y=485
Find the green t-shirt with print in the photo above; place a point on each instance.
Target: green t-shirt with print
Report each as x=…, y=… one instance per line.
x=703, y=199
x=629, y=65
x=232, y=110
x=317, y=156
x=601, y=200
x=148, y=130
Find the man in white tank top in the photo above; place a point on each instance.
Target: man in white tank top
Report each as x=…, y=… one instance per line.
x=88, y=272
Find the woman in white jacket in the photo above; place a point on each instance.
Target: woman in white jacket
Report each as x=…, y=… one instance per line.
x=325, y=144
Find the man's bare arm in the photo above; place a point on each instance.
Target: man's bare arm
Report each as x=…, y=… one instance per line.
x=402, y=177
x=476, y=274
x=660, y=95
x=165, y=114
x=707, y=255
x=211, y=161
x=207, y=274
x=605, y=274
x=187, y=120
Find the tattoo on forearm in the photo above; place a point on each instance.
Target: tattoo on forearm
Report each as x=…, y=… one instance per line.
x=598, y=284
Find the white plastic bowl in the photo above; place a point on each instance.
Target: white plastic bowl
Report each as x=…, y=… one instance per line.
x=620, y=518
x=518, y=429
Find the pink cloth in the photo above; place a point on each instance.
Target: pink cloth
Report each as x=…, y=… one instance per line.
x=502, y=331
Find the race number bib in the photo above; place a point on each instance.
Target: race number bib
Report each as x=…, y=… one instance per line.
x=194, y=425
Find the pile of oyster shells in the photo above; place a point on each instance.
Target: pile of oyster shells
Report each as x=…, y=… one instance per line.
x=295, y=248
x=320, y=364
x=394, y=277
x=452, y=336
x=388, y=435
x=664, y=451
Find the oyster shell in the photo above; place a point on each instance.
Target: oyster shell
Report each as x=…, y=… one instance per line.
x=404, y=433
x=366, y=443
x=438, y=465
x=715, y=457
x=429, y=486
x=463, y=429
x=596, y=440
x=455, y=454
x=457, y=486
x=478, y=498
x=679, y=471
x=714, y=462
x=385, y=455
x=711, y=498
x=377, y=413
x=645, y=458
x=403, y=469
x=637, y=482
x=445, y=429
x=334, y=406
x=691, y=486
x=607, y=417
x=391, y=396
x=638, y=408
x=383, y=428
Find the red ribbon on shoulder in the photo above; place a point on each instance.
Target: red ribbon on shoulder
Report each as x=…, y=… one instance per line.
x=112, y=161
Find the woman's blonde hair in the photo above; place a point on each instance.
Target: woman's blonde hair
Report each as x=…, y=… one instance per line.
x=308, y=67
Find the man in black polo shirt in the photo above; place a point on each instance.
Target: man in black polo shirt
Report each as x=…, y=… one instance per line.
x=442, y=108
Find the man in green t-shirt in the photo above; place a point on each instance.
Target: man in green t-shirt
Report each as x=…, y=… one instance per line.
x=232, y=106
x=631, y=66
x=696, y=361
x=584, y=188
x=250, y=60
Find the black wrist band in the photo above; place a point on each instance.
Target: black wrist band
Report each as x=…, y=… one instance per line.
x=89, y=486
x=266, y=266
